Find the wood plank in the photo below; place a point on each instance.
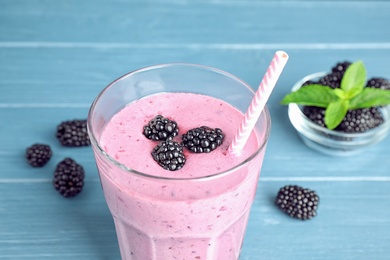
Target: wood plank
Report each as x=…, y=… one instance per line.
x=73, y=75
x=178, y=22
x=40, y=224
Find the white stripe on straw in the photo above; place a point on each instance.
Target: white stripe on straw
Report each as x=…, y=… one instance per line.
x=258, y=102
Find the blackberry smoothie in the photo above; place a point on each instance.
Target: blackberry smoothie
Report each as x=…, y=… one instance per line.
x=198, y=212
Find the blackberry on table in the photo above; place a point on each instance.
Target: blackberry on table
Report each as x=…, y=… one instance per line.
x=68, y=178
x=160, y=129
x=203, y=139
x=169, y=155
x=38, y=155
x=360, y=120
x=379, y=83
x=297, y=202
x=73, y=133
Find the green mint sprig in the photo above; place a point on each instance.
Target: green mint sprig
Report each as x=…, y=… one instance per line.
x=351, y=95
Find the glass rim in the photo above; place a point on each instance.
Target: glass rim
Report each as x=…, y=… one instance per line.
x=95, y=143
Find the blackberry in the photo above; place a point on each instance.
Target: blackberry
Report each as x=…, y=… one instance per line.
x=38, y=155
x=360, y=120
x=332, y=80
x=315, y=114
x=203, y=139
x=161, y=129
x=341, y=67
x=297, y=202
x=73, y=133
x=68, y=178
x=169, y=155
x=355, y=121
x=379, y=83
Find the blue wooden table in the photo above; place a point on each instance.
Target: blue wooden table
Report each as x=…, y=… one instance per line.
x=55, y=57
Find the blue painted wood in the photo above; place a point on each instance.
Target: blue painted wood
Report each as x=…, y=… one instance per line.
x=55, y=57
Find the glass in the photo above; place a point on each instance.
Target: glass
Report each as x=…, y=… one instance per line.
x=332, y=142
x=188, y=224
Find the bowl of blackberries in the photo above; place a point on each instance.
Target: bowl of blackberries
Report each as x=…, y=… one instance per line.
x=340, y=112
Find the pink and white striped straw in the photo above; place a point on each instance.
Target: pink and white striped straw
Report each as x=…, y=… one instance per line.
x=258, y=102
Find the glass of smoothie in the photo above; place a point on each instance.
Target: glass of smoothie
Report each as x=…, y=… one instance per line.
x=201, y=210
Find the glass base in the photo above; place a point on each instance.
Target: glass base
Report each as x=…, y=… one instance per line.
x=137, y=245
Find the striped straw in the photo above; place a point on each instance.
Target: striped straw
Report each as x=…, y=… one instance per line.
x=258, y=102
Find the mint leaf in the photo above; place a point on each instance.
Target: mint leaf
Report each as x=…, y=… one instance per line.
x=340, y=93
x=354, y=79
x=311, y=95
x=370, y=97
x=335, y=113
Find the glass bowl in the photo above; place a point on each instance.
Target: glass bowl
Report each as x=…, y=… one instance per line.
x=334, y=142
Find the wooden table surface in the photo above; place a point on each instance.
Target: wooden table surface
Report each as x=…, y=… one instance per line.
x=55, y=57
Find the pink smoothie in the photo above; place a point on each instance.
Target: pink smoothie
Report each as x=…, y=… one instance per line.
x=187, y=217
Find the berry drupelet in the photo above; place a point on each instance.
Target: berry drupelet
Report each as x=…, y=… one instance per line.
x=169, y=155
x=379, y=83
x=38, y=155
x=68, y=178
x=297, y=202
x=203, y=139
x=160, y=129
x=332, y=80
x=73, y=133
x=315, y=114
x=341, y=67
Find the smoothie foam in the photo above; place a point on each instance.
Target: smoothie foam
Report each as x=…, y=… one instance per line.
x=157, y=218
x=123, y=140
